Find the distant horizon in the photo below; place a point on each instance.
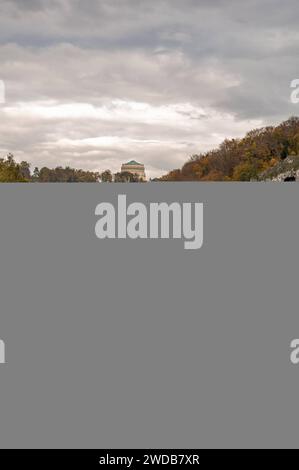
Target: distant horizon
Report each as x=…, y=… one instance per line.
x=119, y=171
x=92, y=85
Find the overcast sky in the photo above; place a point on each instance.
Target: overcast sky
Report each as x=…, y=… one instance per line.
x=95, y=83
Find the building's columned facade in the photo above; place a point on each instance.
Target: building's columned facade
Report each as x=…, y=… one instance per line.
x=135, y=168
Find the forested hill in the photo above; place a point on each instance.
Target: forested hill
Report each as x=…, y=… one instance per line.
x=242, y=159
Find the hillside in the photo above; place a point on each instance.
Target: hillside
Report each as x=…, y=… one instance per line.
x=262, y=154
x=284, y=170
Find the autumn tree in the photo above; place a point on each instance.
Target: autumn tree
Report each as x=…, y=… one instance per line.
x=10, y=171
x=126, y=177
x=106, y=176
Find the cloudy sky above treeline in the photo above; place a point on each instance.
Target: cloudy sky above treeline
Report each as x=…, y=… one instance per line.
x=95, y=83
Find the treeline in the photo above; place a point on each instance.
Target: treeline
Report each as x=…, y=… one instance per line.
x=122, y=177
x=13, y=172
x=63, y=175
x=242, y=159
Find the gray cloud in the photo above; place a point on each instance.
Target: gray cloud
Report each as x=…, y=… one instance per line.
x=162, y=79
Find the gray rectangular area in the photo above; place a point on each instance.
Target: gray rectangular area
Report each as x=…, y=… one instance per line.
x=140, y=343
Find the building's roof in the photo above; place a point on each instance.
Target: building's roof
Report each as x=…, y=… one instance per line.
x=132, y=163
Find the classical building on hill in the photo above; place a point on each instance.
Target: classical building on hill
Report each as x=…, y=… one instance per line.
x=135, y=168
